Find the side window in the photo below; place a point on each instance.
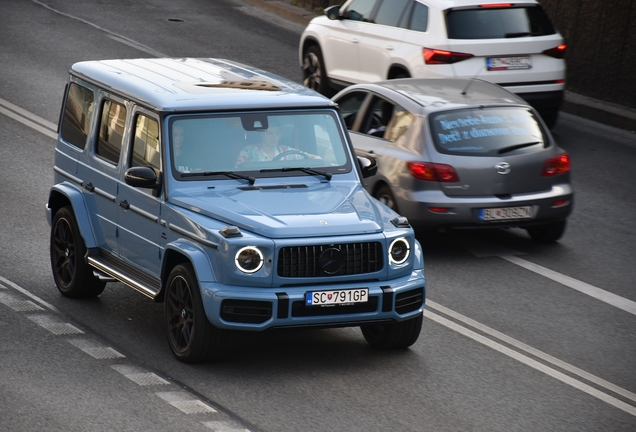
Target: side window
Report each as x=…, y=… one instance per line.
x=360, y=10
x=391, y=11
x=399, y=124
x=350, y=107
x=378, y=118
x=145, y=146
x=77, y=115
x=111, y=131
x=419, y=18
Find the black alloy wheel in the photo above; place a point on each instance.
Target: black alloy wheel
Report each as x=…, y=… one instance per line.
x=191, y=336
x=73, y=276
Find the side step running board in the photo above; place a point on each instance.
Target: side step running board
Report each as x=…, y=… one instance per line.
x=117, y=274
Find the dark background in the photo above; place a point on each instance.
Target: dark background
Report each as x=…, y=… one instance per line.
x=601, y=40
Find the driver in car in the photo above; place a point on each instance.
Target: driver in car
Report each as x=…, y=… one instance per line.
x=270, y=149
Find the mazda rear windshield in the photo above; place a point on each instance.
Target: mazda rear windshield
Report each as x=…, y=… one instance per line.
x=486, y=131
x=498, y=23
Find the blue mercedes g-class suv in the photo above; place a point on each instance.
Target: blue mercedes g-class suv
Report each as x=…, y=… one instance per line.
x=232, y=195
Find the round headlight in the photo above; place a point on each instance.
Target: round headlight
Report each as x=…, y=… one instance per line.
x=399, y=251
x=249, y=259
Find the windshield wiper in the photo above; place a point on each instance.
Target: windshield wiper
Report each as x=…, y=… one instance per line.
x=229, y=174
x=303, y=169
x=517, y=147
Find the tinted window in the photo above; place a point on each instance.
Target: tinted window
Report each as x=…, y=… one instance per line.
x=419, y=18
x=77, y=115
x=111, y=131
x=391, y=11
x=350, y=106
x=360, y=10
x=486, y=132
x=145, y=148
x=496, y=23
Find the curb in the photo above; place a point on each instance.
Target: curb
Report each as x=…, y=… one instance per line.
x=573, y=103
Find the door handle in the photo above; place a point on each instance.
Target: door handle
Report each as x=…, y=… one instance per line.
x=389, y=47
x=124, y=204
x=355, y=40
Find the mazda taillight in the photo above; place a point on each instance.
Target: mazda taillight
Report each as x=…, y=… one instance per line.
x=556, y=165
x=428, y=171
x=435, y=56
x=556, y=52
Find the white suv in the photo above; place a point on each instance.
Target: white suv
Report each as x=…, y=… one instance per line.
x=511, y=44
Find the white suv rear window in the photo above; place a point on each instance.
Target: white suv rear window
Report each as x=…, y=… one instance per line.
x=498, y=23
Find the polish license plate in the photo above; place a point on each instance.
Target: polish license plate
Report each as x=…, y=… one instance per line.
x=508, y=63
x=505, y=213
x=336, y=297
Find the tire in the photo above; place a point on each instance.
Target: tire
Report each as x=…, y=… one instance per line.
x=73, y=276
x=314, y=73
x=395, y=335
x=385, y=196
x=547, y=233
x=192, y=338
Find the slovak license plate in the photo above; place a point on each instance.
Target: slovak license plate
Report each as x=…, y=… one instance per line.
x=508, y=63
x=505, y=213
x=336, y=297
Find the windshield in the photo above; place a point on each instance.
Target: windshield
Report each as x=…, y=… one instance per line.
x=257, y=144
x=486, y=131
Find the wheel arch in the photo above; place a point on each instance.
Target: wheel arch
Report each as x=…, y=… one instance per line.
x=62, y=195
x=182, y=251
x=396, y=70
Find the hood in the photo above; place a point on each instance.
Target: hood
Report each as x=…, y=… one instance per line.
x=285, y=211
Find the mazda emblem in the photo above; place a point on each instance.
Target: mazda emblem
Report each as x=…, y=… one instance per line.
x=502, y=168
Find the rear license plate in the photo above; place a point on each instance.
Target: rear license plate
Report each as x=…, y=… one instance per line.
x=336, y=297
x=508, y=63
x=505, y=213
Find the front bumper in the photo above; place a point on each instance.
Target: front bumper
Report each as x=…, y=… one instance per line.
x=257, y=309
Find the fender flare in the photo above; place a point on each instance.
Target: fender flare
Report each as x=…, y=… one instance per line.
x=59, y=196
x=418, y=256
x=191, y=251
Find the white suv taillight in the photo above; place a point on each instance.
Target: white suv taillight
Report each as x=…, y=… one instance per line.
x=435, y=56
x=556, y=52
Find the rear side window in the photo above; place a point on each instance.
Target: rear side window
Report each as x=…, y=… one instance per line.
x=350, y=106
x=77, y=115
x=419, y=18
x=391, y=12
x=498, y=23
x=111, y=131
x=145, y=149
x=486, y=132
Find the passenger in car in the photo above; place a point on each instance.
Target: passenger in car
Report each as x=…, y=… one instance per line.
x=185, y=156
x=270, y=149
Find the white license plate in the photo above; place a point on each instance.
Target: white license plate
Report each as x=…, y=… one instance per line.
x=336, y=297
x=508, y=63
x=505, y=213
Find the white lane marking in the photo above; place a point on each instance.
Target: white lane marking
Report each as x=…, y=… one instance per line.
x=95, y=350
x=185, y=403
x=597, y=293
x=18, y=305
x=219, y=426
x=53, y=325
x=28, y=115
x=28, y=294
x=139, y=375
x=29, y=123
x=120, y=38
x=533, y=364
x=533, y=351
x=482, y=250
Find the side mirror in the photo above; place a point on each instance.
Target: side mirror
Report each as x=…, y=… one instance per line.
x=142, y=176
x=333, y=12
x=368, y=166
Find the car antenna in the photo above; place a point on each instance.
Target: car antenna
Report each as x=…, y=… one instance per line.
x=471, y=80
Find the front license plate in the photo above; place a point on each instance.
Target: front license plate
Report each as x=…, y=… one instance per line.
x=336, y=297
x=508, y=63
x=505, y=213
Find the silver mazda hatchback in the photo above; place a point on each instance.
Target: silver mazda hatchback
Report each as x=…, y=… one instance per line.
x=460, y=153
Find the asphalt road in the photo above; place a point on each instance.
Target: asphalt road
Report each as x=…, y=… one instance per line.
x=517, y=336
